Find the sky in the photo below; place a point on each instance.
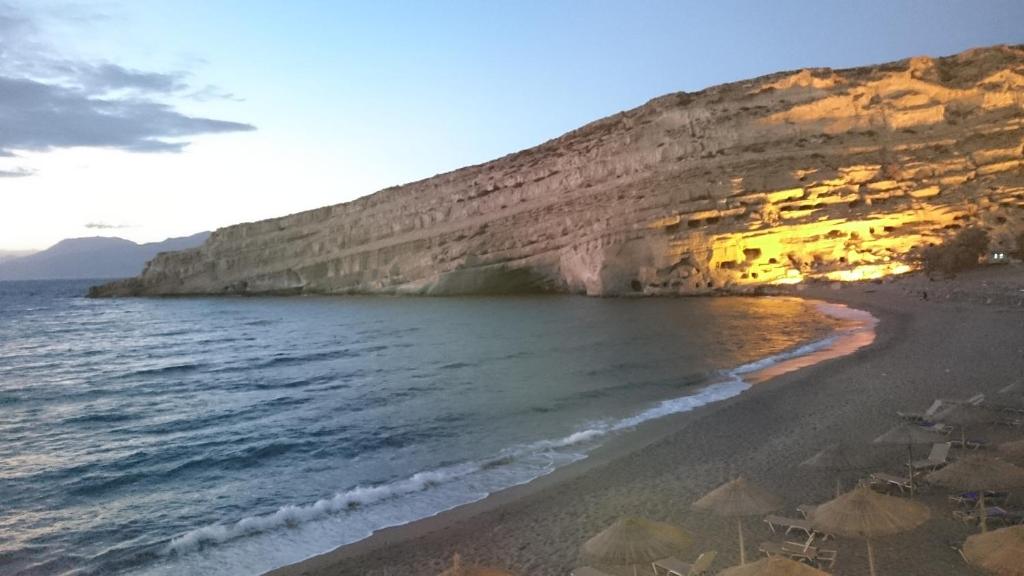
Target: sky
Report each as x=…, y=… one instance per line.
x=149, y=119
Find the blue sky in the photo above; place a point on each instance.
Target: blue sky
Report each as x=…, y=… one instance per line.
x=287, y=106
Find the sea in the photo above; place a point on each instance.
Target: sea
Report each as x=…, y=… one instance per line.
x=231, y=435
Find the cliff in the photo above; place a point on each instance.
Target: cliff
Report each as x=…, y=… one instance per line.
x=817, y=173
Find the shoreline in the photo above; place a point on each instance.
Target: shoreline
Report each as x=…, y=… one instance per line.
x=860, y=331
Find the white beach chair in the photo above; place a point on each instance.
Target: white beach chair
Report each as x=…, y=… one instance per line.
x=943, y=429
x=820, y=557
x=938, y=458
x=676, y=567
x=776, y=523
x=886, y=479
x=977, y=399
x=921, y=416
x=937, y=407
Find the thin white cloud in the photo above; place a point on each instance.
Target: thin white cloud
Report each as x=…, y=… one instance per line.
x=16, y=173
x=49, y=102
x=105, y=226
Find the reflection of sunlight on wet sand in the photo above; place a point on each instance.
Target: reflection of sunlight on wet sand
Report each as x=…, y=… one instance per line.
x=858, y=332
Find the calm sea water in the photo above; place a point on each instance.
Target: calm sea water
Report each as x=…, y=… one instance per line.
x=230, y=436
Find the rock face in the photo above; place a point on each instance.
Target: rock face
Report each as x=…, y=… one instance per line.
x=816, y=173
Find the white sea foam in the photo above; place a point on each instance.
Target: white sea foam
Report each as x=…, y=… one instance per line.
x=573, y=439
x=292, y=515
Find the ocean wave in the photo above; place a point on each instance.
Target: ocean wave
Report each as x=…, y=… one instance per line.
x=101, y=418
x=240, y=459
x=456, y=365
x=768, y=361
x=162, y=370
x=292, y=515
x=288, y=360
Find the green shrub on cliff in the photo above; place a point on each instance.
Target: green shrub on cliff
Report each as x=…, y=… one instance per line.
x=962, y=252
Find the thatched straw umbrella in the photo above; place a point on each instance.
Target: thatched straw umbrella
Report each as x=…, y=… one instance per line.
x=1011, y=396
x=979, y=473
x=909, y=434
x=964, y=415
x=633, y=541
x=1014, y=449
x=837, y=457
x=736, y=499
x=773, y=566
x=864, y=513
x=460, y=569
x=1013, y=388
x=999, y=551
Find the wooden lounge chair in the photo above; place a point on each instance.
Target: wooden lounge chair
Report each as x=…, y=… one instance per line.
x=676, y=567
x=804, y=525
x=936, y=459
x=588, y=571
x=884, y=479
x=800, y=552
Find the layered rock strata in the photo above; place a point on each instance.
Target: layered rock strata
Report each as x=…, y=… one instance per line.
x=817, y=173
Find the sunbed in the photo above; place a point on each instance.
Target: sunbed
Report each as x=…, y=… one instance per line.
x=969, y=443
x=971, y=498
x=676, y=567
x=801, y=552
x=917, y=417
x=936, y=459
x=1011, y=408
x=884, y=479
x=936, y=427
x=972, y=516
x=938, y=407
x=776, y=523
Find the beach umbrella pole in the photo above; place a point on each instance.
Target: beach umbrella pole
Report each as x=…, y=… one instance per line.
x=910, y=467
x=871, y=557
x=983, y=511
x=743, y=548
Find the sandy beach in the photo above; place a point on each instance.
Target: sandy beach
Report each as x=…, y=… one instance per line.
x=966, y=337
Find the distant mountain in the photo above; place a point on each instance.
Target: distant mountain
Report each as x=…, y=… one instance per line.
x=6, y=255
x=94, y=257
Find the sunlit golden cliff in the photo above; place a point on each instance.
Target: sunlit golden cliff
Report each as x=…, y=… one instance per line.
x=817, y=173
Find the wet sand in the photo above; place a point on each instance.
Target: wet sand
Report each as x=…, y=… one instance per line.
x=967, y=337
